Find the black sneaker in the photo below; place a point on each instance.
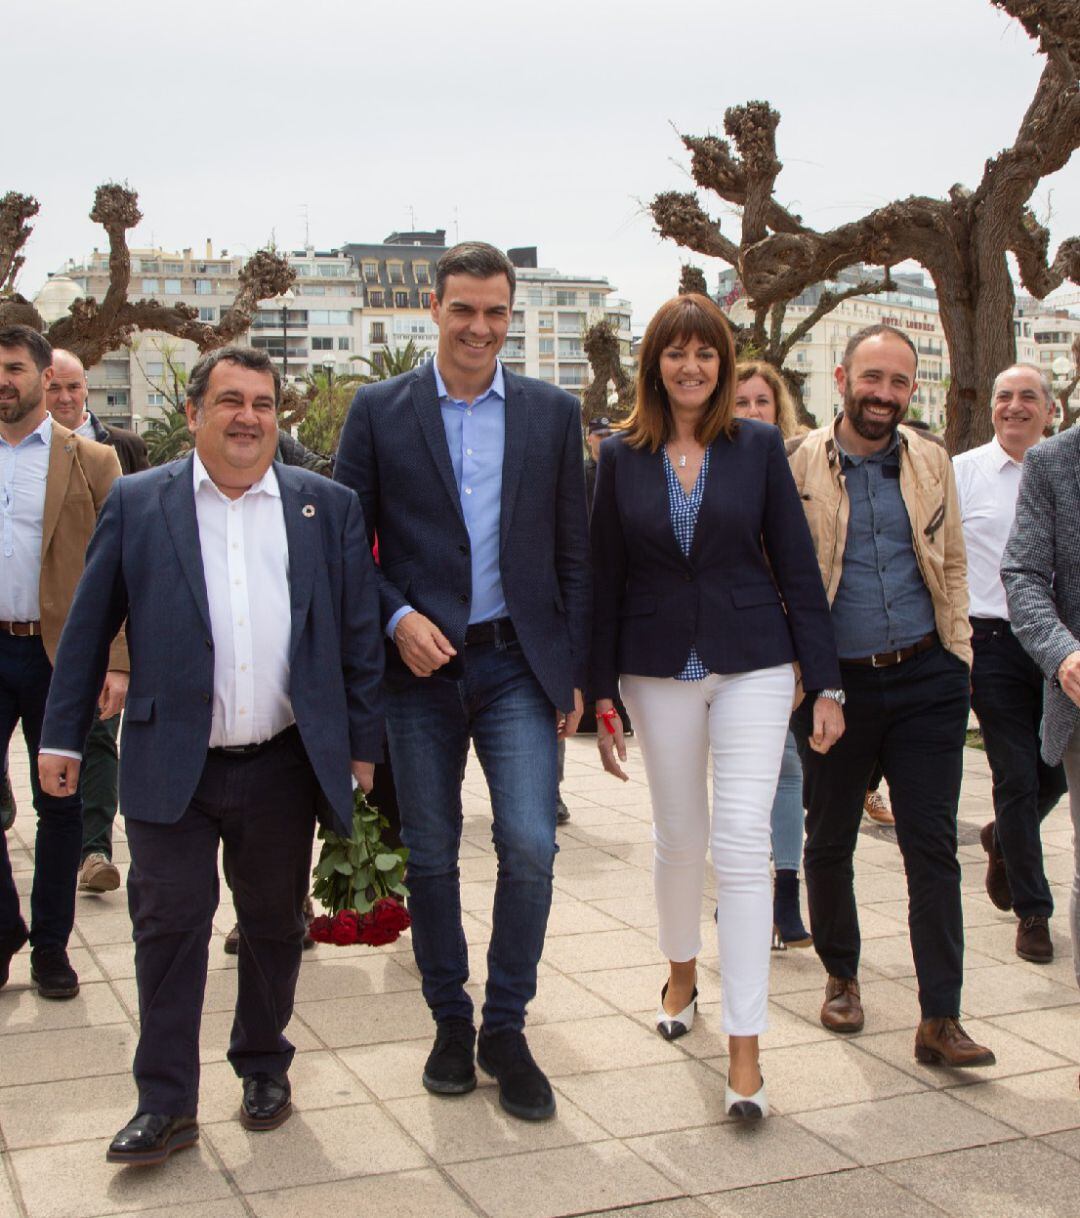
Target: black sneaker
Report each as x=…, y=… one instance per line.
x=449, y=1068
x=523, y=1087
x=52, y=973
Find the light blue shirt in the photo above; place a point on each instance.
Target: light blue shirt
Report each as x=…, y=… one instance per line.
x=476, y=438
x=24, y=471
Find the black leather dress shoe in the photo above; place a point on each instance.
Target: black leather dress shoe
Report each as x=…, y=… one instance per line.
x=524, y=1090
x=449, y=1068
x=51, y=972
x=267, y=1101
x=9, y=945
x=151, y=1137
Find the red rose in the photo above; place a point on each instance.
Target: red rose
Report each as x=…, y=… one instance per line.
x=387, y=919
x=345, y=928
x=319, y=929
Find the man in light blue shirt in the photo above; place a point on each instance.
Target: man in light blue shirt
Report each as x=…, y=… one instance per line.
x=473, y=480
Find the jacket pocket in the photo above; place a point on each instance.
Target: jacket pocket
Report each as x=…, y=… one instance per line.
x=751, y=595
x=139, y=709
x=637, y=606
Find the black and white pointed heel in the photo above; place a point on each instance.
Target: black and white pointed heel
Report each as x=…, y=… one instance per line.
x=747, y=1107
x=671, y=1027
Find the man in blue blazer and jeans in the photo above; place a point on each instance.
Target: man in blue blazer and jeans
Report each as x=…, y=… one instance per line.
x=473, y=479
x=256, y=658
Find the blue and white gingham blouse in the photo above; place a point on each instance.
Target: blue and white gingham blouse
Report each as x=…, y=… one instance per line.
x=684, y=514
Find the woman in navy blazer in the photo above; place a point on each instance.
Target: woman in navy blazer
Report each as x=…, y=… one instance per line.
x=706, y=590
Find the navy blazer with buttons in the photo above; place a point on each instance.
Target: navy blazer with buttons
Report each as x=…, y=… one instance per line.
x=393, y=453
x=144, y=563
x=749, y=594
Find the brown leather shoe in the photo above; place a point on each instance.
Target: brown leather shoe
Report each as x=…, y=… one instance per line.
x=1033, y=940
x=842, y=1009
x=997, y=878
x=943, y=1042
x=877, y=809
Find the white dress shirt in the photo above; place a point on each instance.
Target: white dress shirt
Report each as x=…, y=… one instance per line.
x=245, y=557
x=24, y=472
x=987, y=483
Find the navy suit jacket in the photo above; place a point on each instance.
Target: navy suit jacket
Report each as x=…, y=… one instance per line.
x=393, y=453
x=144, y=563
x=749, y=595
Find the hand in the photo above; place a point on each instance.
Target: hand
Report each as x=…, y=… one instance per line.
x=113, y=694
x=59, y=776
x=610, y=746
x=1068, y=675
x=828, y=724
x=566, y=723
x=364, y=773
x=421, y=644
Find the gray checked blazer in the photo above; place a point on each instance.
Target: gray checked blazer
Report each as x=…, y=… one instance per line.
x=1041, y=574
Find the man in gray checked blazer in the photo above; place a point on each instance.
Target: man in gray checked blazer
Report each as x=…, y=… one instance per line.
x=1041, y=574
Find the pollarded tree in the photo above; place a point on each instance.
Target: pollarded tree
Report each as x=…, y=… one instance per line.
x=93, y=328
x=963, y=240
x=601, y=345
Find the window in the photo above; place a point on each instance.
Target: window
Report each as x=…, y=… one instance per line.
x=570, y=346
x=150, y=286
x=425, y=299
x=207, y=313
x=116, y=371
x=547, y=346
x=596, y=300
x=173, y=268
x=118, y=397
x=371, y=272
x=401, y=300
x=344, y=342
x=566, y=298
x=172, y=287
x=421, y=272
x=322, y=343
x=147, y=264
x=204, y=287
x=155, y=399
x=396, y=271
x=155, y=369
x=332, y=270
x=375, y=299
x=547, y=321
x=303, y=271
x=517, y=321
x=327, y=317
x=312, y=289
x=378, y=332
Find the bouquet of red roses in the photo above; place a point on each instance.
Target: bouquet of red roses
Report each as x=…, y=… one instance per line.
x=361, y=882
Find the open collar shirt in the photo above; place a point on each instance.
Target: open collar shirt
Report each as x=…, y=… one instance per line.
x=987, y=485
x=24, y=473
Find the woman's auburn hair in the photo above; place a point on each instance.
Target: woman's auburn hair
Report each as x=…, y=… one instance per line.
x=691, y=316
x=786, y=418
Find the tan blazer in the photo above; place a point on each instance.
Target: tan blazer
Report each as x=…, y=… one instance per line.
x=80, y=474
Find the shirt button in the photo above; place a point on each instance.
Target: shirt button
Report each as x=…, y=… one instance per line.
x=468, y=490
x=239, y=621
x=468, y=452
x=463, y=548
x=464, y=598
x=242, y=710
x=468, y=412
x=243, y=668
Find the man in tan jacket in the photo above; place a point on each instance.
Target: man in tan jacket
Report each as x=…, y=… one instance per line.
x=52, y=485
x=882, y=508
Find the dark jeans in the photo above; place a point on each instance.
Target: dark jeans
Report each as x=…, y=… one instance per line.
x=262, y=808
x=25, y=673
x=499, y=704
x=912, y=716
x=97, y=785
x=1007, y=696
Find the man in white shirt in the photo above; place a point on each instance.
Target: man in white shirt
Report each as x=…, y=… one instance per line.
x=256, y=657
x=1007, y=686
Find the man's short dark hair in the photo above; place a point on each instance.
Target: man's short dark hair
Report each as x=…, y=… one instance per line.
x=872, y=332
x=34, y=341
x=475, y=258
x=245, y=357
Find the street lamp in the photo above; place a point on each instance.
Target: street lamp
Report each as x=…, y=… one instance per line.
x=328, y=368
x=286, y=298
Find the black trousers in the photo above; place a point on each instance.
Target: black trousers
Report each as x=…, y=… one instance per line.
x=912, y=717
x=262, y=807
x=1007, y=696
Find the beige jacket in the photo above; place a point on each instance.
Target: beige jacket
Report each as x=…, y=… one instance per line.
x=80, y=474
x=928, y=489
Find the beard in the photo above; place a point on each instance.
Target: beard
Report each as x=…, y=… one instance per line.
x=15, y=408
x=868, y=428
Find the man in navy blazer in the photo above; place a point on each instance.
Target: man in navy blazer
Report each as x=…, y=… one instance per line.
x=252, y=618
x=473, y=479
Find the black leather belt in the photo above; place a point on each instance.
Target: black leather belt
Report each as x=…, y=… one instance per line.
x=253, y=750
x=499, y=630
x=990, y=625
x=886, y=659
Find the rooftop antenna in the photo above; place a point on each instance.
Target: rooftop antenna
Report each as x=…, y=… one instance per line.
x=307, y=225
x=412, y=218
x=457, y=235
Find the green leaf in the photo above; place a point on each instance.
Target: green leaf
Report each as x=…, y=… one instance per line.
x=387, y=862
x=343, y=867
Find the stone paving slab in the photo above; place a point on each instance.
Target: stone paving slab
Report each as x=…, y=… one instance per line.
x=859, y=1125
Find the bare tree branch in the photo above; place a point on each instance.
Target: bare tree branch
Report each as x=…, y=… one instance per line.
x=680, y=218
x=825, y=305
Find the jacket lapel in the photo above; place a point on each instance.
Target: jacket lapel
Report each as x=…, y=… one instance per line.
x=426, y=404
x=515, y=446
x=61, y=459
x=722, y=470
x=178, y=507
x=301, y=533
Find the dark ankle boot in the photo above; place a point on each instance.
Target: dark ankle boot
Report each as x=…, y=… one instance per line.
x=788, y=929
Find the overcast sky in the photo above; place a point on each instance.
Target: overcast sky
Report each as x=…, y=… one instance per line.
x=545, y=124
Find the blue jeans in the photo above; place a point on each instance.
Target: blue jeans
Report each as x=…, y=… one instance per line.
x=500, y=706
x=787, y=811
x=25, y=673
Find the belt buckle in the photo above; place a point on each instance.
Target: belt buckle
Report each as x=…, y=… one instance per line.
x=883, y=656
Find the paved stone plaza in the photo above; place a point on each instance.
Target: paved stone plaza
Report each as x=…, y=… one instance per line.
x=859, y=1126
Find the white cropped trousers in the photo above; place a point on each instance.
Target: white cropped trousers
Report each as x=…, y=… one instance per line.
x=742, y=719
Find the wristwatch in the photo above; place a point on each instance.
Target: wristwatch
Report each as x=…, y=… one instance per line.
x=834, y=695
